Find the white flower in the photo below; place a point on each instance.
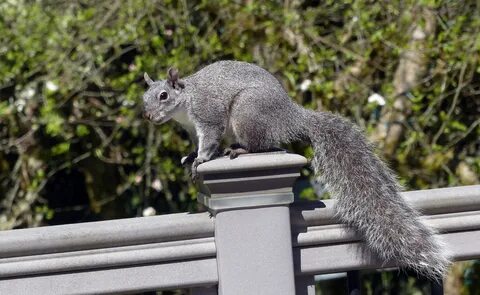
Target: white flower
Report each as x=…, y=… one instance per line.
x=20, y=104
x=418, y=34
x=157, y=185
x=377, y=98
x=149, y=211
x=305, y=84
x=27, y=93
x=138, y=179
x=51, y=86
x=127, y=103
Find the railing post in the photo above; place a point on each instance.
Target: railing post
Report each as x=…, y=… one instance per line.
x=249, y=198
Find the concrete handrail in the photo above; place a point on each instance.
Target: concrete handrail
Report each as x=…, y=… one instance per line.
x=453, y=212
x=104, y=234
x=428, y=202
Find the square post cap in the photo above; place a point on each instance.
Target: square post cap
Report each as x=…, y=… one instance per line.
x=250, y=180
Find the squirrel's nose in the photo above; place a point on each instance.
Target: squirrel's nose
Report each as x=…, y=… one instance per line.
x=145, y=115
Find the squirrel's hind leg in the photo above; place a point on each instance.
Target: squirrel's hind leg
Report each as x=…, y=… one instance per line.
x=235, y=150
x=252, y=134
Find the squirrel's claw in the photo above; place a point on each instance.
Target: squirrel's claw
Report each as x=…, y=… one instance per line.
x=233, y=153
x=235, y=150
x=188, y=160
x=227, y=151
x=194, y=172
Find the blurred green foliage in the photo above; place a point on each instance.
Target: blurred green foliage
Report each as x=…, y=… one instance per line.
x=71, y=87
x=73, y=146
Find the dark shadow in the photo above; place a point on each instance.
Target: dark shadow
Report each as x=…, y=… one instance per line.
x=66, y=194
x=299, y=224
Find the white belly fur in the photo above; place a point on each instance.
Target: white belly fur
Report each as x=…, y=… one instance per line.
x=183, y=119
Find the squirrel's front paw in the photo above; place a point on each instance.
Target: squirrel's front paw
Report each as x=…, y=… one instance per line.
x=188, y=160
x=195, y=164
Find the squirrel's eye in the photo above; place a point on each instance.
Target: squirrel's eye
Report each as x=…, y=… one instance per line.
x=163, y=95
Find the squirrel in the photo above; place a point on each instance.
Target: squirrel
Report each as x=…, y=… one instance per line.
x=243, y=99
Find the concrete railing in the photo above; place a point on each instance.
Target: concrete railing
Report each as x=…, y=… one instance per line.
x=160, y=252
x=453, y=212
x=254, y=242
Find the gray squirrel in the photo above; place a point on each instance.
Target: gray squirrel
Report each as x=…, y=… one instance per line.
x=246, y=101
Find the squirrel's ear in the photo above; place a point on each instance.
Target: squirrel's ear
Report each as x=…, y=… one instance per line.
x=173, y=79
x=172, y=75
x=147, y=79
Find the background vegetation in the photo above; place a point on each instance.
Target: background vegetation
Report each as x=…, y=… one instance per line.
x=73, y=146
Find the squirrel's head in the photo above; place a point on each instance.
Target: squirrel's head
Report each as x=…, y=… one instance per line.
x=161, y=99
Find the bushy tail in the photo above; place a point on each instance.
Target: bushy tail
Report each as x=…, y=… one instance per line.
x=368, y=197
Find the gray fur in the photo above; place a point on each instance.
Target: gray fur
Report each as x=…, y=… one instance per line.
x=230, y=97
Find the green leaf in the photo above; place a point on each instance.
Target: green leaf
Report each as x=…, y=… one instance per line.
x=61, y=148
